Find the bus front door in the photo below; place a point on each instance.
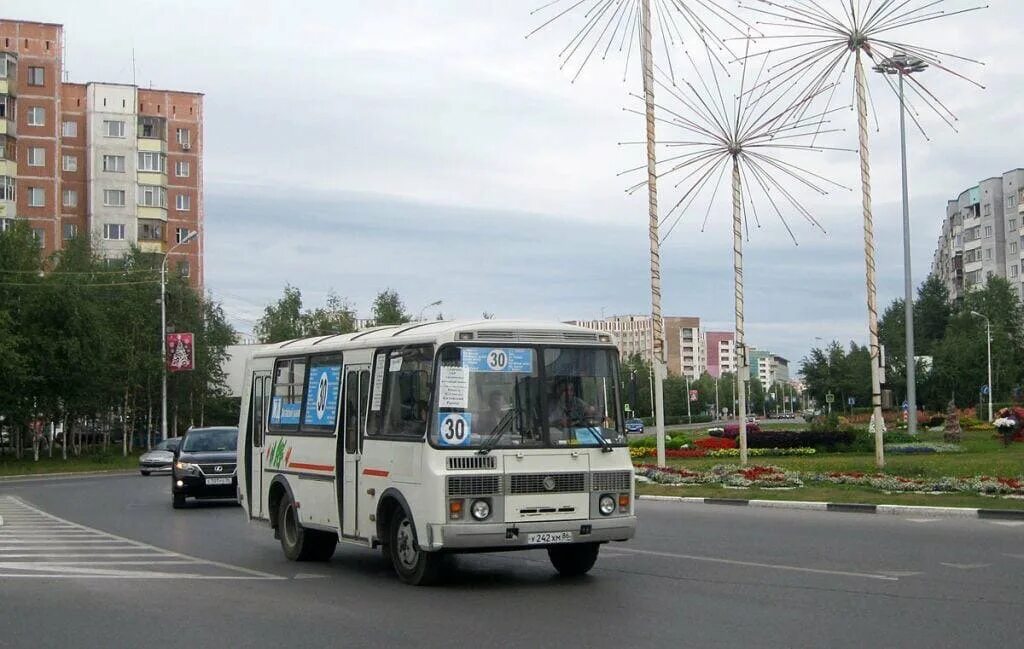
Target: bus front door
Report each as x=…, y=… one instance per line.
x=357, y=392
x=255, y=433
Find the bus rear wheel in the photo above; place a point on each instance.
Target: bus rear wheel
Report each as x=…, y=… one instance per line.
x=574, y=560
x=300, y=543
x=411, y=563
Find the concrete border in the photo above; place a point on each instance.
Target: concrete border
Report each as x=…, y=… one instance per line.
x=67, y=474
x=852, y=508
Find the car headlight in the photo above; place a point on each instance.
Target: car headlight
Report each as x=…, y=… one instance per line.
x=481, y=509
x=186, y=467
x=606, y=505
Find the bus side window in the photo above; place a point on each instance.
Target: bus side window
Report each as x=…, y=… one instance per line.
x=256, y=411
x=407, y=392
x=364, y=399
x=352, y=411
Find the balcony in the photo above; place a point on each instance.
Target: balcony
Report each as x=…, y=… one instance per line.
x=152, y=178
x=152, y=145
x=7, y=127
x=155, y=247
x=154, y=213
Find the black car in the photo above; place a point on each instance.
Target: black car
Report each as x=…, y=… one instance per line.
x=205, y=465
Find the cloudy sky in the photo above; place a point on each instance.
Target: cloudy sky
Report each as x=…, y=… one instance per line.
x=427, y=146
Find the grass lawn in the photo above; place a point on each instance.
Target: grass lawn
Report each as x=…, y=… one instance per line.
x=982, y=454
x=93, y=462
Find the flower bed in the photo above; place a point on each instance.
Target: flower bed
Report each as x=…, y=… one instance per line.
x=709, y=443
x=729, y=475
x=761, y=452
x=976, y=484
x=921, y=447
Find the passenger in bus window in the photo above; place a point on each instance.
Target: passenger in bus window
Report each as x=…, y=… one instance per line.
x=565, y=408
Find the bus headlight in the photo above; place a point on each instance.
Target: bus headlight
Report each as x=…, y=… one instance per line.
x=606, y=505
x=481, y=509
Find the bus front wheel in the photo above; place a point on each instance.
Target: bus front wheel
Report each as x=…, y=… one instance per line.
x=573, y=560
x=299, y=543
x=412, y=564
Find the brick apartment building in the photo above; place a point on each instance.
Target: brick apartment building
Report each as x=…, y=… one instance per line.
x=115, y=162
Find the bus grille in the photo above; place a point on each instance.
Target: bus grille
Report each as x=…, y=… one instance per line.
x=471, y=462
x=610, y=481
x=533, y=483
x=474, y=485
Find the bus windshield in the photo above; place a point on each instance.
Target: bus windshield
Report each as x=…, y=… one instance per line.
x=515, y=397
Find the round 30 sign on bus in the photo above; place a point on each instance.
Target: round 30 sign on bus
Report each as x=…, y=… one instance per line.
x=455, y=428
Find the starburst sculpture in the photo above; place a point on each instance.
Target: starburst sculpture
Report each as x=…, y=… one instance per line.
x=747, y=134
x=816, y=43
x=612, y=27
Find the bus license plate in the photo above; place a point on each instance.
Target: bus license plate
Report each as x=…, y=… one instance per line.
x=543, y=538
x=212, y=481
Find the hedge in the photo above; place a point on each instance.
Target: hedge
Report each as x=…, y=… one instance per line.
x=823, y=440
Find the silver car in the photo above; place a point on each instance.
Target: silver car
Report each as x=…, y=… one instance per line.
x=160, y=458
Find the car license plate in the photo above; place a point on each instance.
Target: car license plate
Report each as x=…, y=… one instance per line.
x=212, y=481
x=543, y=538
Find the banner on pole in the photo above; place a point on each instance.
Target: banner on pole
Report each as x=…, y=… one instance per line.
x=180, y=352
x=693, y=395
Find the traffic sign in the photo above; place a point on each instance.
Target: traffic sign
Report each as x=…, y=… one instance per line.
x=850, y=401
x=906, y=406
x=693, y=395
x=984, y=389
x=829, y=398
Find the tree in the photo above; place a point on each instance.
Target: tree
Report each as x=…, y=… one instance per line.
x=931, y=315
x=336, y=317
x=388, y=309
x=283, y=320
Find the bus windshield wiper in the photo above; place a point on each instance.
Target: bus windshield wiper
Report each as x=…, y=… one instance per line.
x=495, y=435
x=606, y=446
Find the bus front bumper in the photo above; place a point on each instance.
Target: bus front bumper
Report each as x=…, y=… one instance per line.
x=520, y=535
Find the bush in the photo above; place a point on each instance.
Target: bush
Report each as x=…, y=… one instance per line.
x=936, y=420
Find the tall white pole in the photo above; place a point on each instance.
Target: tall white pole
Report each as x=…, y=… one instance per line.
x=908, y=283
x=163, y=349
x=657, y=325
x=689, y=420
x=988, y=331
x=869, y=260
x=737, y=257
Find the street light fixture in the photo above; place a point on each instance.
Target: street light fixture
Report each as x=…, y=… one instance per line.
x=163, y=331
x=988, y=337
x=903, y=65
x=435, y=303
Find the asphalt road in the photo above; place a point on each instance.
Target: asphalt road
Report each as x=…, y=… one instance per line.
x=121, y=568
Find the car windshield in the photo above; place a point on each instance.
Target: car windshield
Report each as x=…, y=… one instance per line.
x=198, y=441
x=498, y=397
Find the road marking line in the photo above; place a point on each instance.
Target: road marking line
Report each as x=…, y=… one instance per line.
x=923, y=520
x=153, y=551
x=1008, y=523
x=965, y=566
x=87, y=554
x=753, y=564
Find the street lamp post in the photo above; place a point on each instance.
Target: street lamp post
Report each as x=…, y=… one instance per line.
x=903, y=65
x=163, y=332
x=988, y=342
x=434, y=303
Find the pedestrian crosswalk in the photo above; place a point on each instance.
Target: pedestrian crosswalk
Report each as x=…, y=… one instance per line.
x=37, y=545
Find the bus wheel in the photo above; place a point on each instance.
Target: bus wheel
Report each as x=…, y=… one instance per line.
x=413, y=565
x=573, y=560
x=299, y=543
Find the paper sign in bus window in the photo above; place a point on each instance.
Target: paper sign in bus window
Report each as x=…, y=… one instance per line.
x=483, y=359
x=322, y=395
x=378, y=384
x=453, y=392
x=454, y=428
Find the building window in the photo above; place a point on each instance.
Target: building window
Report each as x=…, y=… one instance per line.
x=37, y=116
x=1013, y=246
x=36, y=76
x=113, y=231
x=70, y=231
x=113, y=128
x=155, y=162
x=1013, y=224
x=40, y=236
x=181, y=169
x=988, y=253
x=151, y=231
x=180, y=234
x=70, y=163
x=184, y=138
x=69, y=129
x=36, y=198
x=1013, y=270
x=113, y=197
x=114, y=163
x=3, y=106
x=152, y=196
x=70, y=198
x=36, y=156
x=1011, y=201
x=183, y=202
x=151, y=127
x=183, y=268
x=988, y=230
x=986, y=210
x=7, y=188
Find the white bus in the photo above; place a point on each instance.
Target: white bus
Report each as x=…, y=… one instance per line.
x=434, y=438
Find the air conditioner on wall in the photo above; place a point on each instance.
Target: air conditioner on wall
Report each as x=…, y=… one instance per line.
x=186, y=147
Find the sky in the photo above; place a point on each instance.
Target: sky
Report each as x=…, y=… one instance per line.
x=429, y=147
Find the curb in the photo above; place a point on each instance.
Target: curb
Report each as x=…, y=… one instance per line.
x=66, y=474
x=851, y=508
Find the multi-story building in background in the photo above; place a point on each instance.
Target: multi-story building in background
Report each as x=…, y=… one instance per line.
x=719, y=352
x=983, y=235
x=114, y=162
x=633, y=335
x=768, y=368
